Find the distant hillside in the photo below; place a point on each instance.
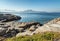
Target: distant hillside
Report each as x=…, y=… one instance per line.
x=30, y=12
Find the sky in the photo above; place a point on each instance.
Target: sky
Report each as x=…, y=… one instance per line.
x=38, y=5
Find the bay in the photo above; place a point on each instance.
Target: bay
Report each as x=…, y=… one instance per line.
x=41, y=18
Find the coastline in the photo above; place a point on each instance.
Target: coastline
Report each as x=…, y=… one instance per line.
x=14, y=28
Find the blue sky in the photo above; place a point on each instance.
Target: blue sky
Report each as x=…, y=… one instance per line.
x=38, y=5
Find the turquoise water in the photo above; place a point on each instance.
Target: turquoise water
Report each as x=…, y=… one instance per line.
x=42, y=18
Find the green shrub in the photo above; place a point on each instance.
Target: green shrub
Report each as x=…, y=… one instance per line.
x=47, y=36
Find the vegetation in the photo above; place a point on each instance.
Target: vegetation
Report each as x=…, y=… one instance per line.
x=47, y=36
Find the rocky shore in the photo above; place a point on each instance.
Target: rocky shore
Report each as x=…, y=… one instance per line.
x=8, y=17
x=10, y=28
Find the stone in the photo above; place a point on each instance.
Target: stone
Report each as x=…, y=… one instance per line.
x=20, y=29
x=32, y=28
x=27, y=33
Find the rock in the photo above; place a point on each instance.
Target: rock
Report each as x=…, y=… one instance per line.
x=28, y=24
x=27, y=33
x=57, y=39
x=2, y=31
x=54, y=21
x=10, y=29
x=20, y=29
x=38, y=25
x=8, y=17
x=53, y=26
x=11, y=33
x=32, y=28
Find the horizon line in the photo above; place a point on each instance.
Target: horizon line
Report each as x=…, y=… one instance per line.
x=15, y=10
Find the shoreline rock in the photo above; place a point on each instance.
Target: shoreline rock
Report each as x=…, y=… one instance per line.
x=8, y=17
x=10, y=29
x=52, y=26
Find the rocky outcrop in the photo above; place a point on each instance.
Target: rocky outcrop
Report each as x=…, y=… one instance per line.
x=13, y=28
x=8, y=17
x=54, y=21
x=53, y=26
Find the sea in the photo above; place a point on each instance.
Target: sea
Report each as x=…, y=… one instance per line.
x=37, y=17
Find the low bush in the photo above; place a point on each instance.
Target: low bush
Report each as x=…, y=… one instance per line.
x=47, y=36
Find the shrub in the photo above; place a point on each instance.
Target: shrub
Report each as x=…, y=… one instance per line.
x=47, y=36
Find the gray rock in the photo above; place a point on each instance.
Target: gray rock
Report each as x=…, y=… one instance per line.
x=10, y=29
x=8, y=17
